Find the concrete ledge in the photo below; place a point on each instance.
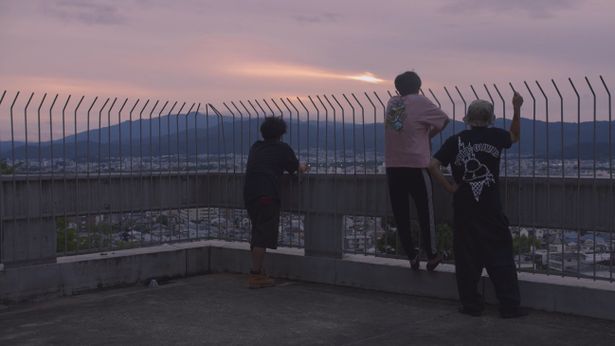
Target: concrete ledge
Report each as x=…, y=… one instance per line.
x=563, y=294
x=77, y=274
x=550, y=293
x=394, y=275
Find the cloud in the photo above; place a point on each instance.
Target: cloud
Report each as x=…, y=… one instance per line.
x=294, y=72
x=79, y=45
x=534, y=8
x=86, y=12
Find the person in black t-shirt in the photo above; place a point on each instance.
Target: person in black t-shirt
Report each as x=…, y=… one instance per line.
x=267, y=161
x=482, y=238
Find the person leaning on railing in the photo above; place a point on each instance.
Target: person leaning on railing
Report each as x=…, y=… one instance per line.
x=412, y=120
x=481, y=234
x=267, y=160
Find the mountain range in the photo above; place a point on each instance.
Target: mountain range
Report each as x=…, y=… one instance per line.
x=196, y=132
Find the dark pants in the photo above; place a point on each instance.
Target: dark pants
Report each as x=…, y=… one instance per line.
x=482, y=240
x=405, y=182
x=264, y=215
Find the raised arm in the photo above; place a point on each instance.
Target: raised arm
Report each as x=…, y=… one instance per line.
x=515, y=126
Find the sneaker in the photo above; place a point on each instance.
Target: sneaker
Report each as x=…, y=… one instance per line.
x=514, y=312
x=415, y=263
x=433, y=263
x=470, y=312
x=260, y=281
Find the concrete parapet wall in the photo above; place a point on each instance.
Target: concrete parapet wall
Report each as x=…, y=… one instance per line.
x=28, y=209
x=78, y=274
x=541, y=202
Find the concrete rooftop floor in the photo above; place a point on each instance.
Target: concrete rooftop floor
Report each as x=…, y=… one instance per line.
x=218, y=309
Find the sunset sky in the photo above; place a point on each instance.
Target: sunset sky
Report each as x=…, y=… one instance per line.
x=196, y=50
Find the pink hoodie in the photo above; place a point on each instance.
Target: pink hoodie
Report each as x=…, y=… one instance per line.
x=410, y=122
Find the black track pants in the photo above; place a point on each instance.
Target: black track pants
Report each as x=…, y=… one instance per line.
x=405, y=182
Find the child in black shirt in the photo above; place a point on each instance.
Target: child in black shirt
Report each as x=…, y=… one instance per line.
x=267, y=160
x=481, y=234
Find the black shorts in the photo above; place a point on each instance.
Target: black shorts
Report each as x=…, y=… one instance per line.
x=264, y=214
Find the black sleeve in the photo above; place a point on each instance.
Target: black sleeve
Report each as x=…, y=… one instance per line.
x=447, y=152
x=503, y=139
x=291, y=163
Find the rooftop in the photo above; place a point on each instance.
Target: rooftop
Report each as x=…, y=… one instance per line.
x=218, y=309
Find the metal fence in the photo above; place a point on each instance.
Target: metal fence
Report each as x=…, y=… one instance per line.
x=566, y=142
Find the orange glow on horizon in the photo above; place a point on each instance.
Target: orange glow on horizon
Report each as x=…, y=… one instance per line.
x=293, y=71
x=367, y=77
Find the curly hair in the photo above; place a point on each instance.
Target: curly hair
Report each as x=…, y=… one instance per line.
x=273, y=128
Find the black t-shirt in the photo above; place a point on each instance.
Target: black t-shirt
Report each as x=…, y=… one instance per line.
x=267, y=161
x=474, y=157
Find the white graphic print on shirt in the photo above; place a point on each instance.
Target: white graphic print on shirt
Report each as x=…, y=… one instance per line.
x=476, y=174
x=396, y=113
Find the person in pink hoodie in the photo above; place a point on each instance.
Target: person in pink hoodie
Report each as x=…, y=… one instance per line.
x=411, y=121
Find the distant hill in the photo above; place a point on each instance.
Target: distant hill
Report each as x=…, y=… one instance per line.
x=215, y=135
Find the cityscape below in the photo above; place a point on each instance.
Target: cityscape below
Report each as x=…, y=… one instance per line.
x=329, y=162
x=557, y=251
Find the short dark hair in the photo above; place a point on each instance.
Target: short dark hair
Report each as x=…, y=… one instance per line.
x=273, y=128
x=408, y=83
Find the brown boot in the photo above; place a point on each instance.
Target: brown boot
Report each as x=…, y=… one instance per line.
x=433, y=263
x=260, y=280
